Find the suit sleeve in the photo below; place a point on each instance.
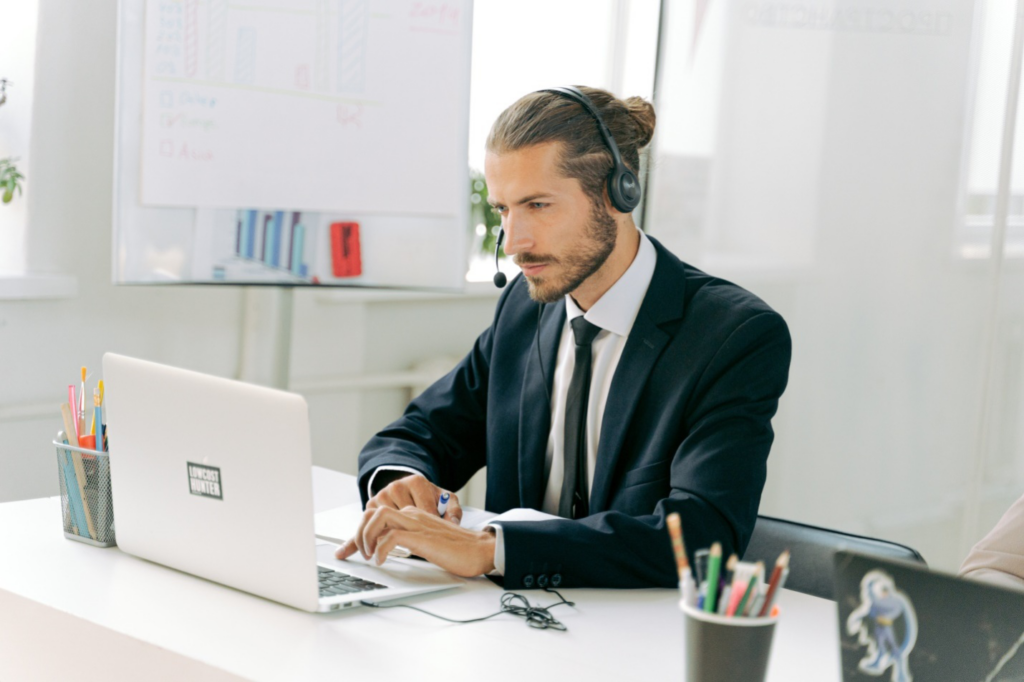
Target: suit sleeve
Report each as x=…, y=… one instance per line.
x=717, y=474
x=443, y=430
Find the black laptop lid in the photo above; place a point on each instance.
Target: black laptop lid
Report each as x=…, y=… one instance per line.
x=901, y=622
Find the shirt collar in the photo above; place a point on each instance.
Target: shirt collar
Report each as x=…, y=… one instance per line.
x=617, y=309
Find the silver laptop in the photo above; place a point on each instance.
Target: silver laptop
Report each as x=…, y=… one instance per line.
x=213, y=477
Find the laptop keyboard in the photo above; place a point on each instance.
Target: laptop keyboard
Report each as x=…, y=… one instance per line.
x=335, y=583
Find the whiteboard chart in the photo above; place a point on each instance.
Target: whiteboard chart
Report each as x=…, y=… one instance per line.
x=292, y=141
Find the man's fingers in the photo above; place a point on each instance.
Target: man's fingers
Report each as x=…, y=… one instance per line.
x=346, y=550
x=454, y=513
x=387, y=542
x=372, y=525
x=358, y=538
x=384, y=519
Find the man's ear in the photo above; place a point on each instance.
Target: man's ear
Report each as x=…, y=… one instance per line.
x=609, y=207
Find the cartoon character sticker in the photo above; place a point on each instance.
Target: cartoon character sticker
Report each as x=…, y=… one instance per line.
x=875, y=623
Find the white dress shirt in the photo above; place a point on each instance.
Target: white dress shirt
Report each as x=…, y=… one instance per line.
x=614, y=313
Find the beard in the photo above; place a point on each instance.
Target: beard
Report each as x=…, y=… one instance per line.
x=597, y=244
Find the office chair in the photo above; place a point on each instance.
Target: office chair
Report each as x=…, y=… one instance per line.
x=812, y=548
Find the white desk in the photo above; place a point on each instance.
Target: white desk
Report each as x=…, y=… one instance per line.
x=70, y=611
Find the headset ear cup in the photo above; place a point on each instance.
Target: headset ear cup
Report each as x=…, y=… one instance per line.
x=624, y=190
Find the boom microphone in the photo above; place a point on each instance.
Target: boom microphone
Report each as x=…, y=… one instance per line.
x=500, y=280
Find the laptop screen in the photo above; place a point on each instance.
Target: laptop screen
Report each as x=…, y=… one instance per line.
x=902, y=622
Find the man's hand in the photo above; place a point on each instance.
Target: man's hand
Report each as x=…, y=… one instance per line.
x=463, y=552
x=412, y=490
x=404, y=491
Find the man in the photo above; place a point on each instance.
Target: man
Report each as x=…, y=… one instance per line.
x=615, y=385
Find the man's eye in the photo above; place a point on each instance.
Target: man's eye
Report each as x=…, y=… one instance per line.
x=500, y=210
x=537, y=204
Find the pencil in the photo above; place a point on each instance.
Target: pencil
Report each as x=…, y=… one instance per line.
x=102, y=394
x=74, y=422
x=746, y=594
x=781, y=565
x=81, y=407
x=686, y=584
x=97, y=419
x=730, y=568
x=775, y=598
x=714, y=567
x=675, y=531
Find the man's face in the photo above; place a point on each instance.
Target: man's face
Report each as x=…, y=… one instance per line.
x=555, y=232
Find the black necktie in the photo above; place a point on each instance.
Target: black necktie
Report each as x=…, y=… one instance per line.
x=573, y=503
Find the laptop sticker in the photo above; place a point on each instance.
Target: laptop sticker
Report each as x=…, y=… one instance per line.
x=204, y=481
x=886, y=624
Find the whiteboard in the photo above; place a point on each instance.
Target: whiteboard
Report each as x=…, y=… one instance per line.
x=292, y=142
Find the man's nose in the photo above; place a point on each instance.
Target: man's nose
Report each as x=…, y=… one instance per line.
x=518, y=237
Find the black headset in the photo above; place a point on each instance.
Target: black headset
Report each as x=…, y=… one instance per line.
x=623, y=185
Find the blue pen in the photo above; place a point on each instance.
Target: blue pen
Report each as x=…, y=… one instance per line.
x=442, y=505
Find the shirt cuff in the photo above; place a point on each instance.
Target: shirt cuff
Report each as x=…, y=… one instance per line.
x=499, y=550
x=369, y=484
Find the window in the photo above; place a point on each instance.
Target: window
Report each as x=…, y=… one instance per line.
x=533, y=44
x=985, y=137
x=17, y=61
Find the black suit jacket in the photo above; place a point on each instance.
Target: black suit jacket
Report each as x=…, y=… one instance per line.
x=686, y=428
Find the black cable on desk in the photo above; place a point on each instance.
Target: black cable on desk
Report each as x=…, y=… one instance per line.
x=515, y=604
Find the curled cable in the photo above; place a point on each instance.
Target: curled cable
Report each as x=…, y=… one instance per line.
x=514, y=604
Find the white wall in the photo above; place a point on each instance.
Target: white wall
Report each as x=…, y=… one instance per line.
x=44, y=342
x=832, y=183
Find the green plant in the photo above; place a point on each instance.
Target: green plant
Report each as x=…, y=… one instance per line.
x=10, y=179
x=481, y=213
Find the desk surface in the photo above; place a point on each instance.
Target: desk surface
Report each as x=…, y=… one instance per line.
x=142, y=610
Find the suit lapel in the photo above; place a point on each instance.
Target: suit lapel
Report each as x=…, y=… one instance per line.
x=643, y=347
x=663, y=303
x=535, y=406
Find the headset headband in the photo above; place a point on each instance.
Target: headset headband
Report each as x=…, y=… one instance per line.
x=577, y=96
x=623, y=185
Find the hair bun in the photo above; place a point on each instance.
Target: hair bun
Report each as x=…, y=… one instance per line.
x=643, y=116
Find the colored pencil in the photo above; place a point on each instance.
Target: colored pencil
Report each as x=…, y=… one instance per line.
x=747, y=594
x=686, y=584
x=781, y=565
x=714, y=567
x=97, y=419
x=74, y=422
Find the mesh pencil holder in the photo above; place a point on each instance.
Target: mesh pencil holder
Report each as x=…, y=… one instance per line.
x=86, y=499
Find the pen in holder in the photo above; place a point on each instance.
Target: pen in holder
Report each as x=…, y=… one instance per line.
x=86, y=500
